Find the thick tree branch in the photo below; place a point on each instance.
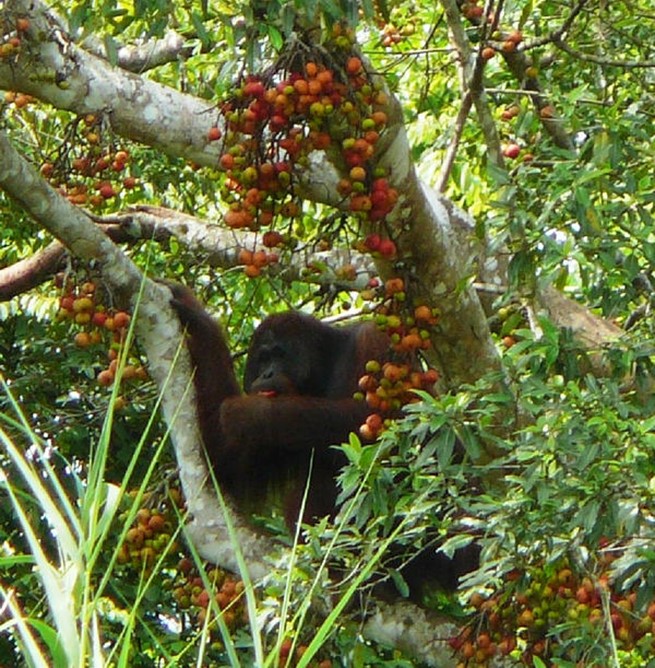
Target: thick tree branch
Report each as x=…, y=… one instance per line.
x=213, y=245
x=219, y=247
x=591, y=332
x=142, y=57
x=52, y=68
x=30, y=272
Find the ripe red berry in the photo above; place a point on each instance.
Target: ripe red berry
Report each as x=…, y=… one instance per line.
x=512, y=151
x=272, y=238
x=387, y=248
x=107, y=191
x=105, y=378
x=121, y=319
x=353, y=65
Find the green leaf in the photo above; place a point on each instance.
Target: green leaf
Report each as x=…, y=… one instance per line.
x=52, y=641
x=275, y=36
x=527, y=10
x=111, y=49
x=400, y=583
x=499, y=175
x=201, y=31
x=454, y=543
x=445, y=447
x=587, y=516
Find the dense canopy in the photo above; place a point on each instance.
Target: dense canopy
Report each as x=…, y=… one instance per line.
x=476, y=180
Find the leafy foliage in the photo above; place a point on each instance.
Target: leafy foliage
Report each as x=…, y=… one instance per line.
x=566, y=484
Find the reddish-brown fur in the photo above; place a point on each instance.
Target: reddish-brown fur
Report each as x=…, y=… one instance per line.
x=300, y=378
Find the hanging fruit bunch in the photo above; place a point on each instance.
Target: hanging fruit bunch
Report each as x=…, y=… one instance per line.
x=314, y=98
x=323, y=98
x=82, y=304
x=387, y=387
x=89, y=169
x=518, y=617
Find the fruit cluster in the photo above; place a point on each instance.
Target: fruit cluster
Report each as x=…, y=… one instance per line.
x=325, y=101
x=517, y=619
x=83, y=305
x=288, y=656
x=225, y=592
x=377, y=245
x=322, y=99
x=471, y=10
x=503, y=43
x=390, y=35
x=389, y=386
x=506, y=42
x=11, y=36
x=511, y=149
x=19, y=100
x=510, y=112
x=150, y=535
x=89, y=174
x=409, y=333
x=254, y=261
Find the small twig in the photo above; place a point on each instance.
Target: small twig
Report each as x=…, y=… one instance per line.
x=599, y=60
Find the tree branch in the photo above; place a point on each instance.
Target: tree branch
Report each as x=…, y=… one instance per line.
x=560, y=43
x=220, y=248
x=52, y=68
x=27, y=274
x=472, y=69
x=216, y=246
x=145, y=56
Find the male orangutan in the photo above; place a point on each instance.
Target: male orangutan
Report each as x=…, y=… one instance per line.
x=300, y=377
